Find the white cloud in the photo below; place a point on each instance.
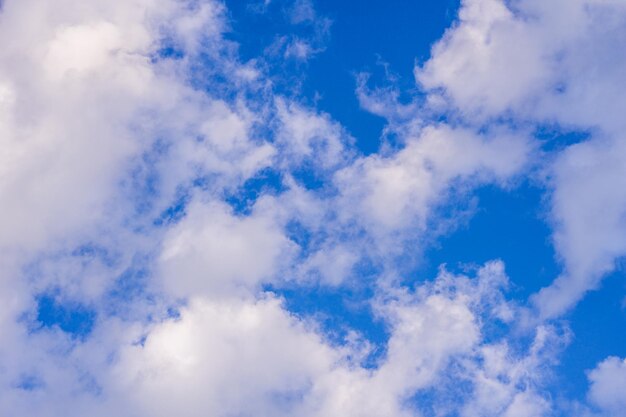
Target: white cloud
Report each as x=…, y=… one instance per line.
x=249, y=356
x=233, y=357
x=488, y=62
x=400, y=191
x=100, y=134
x=608, y=380
x=213, y=252
x=245, y=356
x=224, y=358
x=78, y=123
x=311, y=137
x=549, y=62
x=81, y=100
x=589, y=204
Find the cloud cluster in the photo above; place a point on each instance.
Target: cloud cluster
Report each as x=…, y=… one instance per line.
x=607, y=382
x=233, y=355
x=160, y=188
x=549, y=64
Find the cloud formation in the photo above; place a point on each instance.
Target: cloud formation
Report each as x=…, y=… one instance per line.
x=159, y=194
x=552, y=64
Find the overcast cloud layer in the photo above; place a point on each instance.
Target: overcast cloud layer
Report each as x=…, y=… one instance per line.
x=133, y=139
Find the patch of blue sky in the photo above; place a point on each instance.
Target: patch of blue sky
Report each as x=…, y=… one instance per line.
x=554, y=137
x=143, y=183
x=338, y=312
x=510, y=225
x=168, y=50
x=307, y=176
x=444, y=399
x=394, y=34
x=361, y=39
x=73, y=318
x=175, y=211
x=266, y=181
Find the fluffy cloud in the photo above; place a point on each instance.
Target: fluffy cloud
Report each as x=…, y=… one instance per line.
x=589, y=204
x=251, y=357
x=401, y=190
x=101, y=132
x=311, y=137
x=549, y=63
x=127, y=130
x=224, y=358
x=211, y=251
x=607, y=386
x=60, y=169
x=245, y=356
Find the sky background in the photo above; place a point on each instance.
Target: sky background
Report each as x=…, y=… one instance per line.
x=312, y=208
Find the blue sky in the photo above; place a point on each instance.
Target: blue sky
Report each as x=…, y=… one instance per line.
x=312, y=208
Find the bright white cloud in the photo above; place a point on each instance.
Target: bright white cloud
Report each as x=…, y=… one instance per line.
x=310, y=137
x=238, y=366
x=608, y=380
x=550, y=62
x=246, y=356
x=400, y=191
x=116, y=162
x=213, y=252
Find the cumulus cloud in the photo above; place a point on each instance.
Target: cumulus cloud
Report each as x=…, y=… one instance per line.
x=94, y=113
x=394, y=190
x=213, y=252
x=551, y=63
x=249, y=356
x=152, y=181
x=607, y=386
x=308, y=136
